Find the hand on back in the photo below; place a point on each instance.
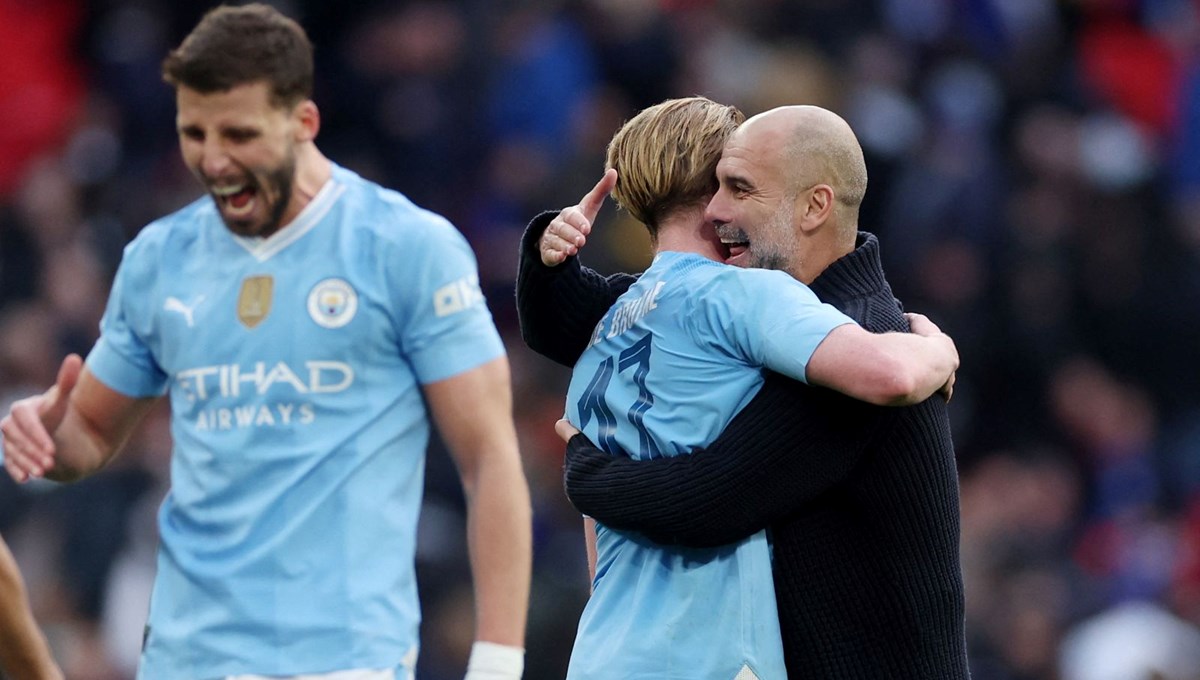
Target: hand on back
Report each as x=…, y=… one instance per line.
x=921, y=325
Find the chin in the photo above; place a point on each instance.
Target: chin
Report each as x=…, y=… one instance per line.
x=244, y=228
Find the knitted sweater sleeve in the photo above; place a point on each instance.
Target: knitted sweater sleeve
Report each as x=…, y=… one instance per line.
x=791, y=443
x=559, y=307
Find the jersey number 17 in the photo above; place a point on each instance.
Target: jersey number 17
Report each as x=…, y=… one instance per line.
x=593, y=404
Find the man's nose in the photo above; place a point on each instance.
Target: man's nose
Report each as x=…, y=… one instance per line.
x=214, y=161
x=715, y=211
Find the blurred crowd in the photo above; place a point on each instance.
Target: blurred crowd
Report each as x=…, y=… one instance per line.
x=1034, y=181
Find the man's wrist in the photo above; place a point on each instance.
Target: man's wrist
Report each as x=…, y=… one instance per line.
x=493, y=661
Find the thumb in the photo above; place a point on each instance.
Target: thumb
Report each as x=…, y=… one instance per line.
x=594, y=200
x=565, y=429
x=54, y=407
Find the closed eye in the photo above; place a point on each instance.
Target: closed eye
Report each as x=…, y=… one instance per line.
x=241, y=135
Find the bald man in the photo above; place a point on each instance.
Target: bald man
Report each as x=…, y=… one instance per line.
x=861, y=501
x=24, y=654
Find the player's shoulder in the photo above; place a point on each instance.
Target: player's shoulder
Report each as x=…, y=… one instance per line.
x=744, y=281
x=390, y=216
x=172, y=230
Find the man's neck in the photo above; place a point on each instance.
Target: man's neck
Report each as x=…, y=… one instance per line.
x=313, y=170
x=810, y=259
x=686, y=231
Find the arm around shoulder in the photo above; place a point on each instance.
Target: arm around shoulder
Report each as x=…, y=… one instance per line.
x=790, y=444
x=887, y=369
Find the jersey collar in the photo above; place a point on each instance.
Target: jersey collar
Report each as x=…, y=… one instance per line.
x=263, y=249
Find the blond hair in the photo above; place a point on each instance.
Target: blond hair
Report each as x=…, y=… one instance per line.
x=666, y=156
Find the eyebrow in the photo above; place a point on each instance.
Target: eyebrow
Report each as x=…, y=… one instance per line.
x=236, y=130
x=733, y=179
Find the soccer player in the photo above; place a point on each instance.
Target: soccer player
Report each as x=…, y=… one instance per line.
x=665, y=369
x=300, y=318
x=24, y=654
x=861, y=501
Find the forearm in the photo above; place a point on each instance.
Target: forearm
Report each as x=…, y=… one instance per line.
x=927, y=361
x=86, y=443
x=79, y=452
x=24, y=652
x=559, y=307
x=499, y=528
x=886, y=369
x=789, y=445
x=68, y=437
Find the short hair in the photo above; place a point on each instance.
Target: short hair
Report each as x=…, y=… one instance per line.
x=836, y=159
x=234, y=46
x=666, y=156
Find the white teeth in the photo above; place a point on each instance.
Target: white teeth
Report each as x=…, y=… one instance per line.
x=228, y=191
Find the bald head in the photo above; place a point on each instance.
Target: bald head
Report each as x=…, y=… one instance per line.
x=810, y=145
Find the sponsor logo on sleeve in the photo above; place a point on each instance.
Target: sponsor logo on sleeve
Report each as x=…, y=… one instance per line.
x=458, y=296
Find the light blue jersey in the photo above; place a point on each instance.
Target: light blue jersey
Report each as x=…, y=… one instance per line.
x=293, y=366
x=668, y=367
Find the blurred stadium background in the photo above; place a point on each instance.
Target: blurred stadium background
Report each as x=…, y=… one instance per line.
x=1034, y=180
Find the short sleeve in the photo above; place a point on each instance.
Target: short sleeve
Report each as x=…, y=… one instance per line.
x=121, y=359
x=447, y=329
x=770, y=319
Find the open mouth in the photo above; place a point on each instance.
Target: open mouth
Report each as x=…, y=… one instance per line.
x=736, y=249
x=236, y=200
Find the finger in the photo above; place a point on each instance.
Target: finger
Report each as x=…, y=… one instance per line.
x=572, y=222
x=921, y=325
x=947, y=390
x=552, y=258
x=68, y=373
x=558, y=241
x=54, y=407
x=26, y=425
x=594, y=199
x=571, y=227
x=556, y=248
x=18, y=475
x=565, y=429
x=18, y=460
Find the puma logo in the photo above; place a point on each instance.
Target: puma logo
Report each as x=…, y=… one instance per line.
x=174, y=304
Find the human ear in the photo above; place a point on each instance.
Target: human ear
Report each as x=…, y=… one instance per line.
x=815, y=207
x=308, y=120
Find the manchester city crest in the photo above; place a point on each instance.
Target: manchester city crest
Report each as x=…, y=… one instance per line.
x=332, y=303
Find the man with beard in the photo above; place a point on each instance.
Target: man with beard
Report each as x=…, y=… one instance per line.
x=861, y=502
x=667, y=367
x=299, y=335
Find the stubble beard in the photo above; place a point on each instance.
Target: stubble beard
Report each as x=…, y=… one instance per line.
x=776, y=249
x=276, y=189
